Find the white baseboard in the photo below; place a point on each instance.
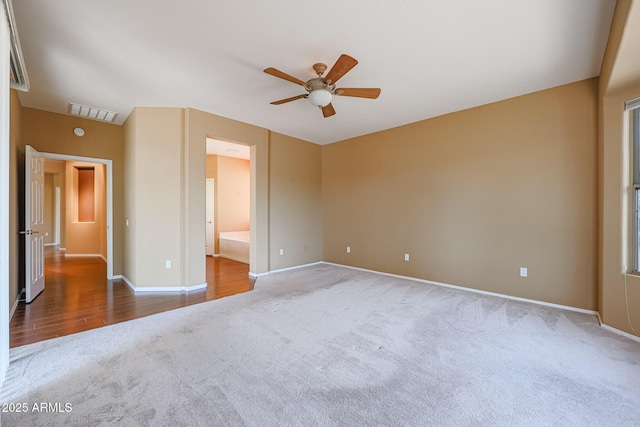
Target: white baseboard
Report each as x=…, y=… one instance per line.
x=15, y=304
x=478, y=291
x=85, y=255
x=142, y=289
x=125, y=280
x=62, y=249
x=295, y=267
x=619, y=332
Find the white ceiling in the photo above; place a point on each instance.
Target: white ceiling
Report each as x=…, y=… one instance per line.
x=228, y=149
x=430, y=57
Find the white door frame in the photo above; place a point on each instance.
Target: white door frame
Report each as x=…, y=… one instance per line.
x=109, y=183
x=5, y=232
x=56, y=215
x=210, y=207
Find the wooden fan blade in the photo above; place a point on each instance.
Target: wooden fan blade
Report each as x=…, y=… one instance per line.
x=285, y=76
x=293, y=98
x=371, y=93
x=328, y=110
x=341, y=67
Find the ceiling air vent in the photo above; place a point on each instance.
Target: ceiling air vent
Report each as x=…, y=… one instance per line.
x=92, y=113
x=18, y=72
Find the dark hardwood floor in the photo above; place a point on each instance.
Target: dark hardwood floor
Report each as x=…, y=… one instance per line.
x=78, y=297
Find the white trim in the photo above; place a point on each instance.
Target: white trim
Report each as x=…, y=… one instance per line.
x=125, y=280
x=295, y=267
x=143, y=289
x=5, y=163
x=619, y=332
x=15, y=305
x=84, y=255
x=62, y=249
x=478, y=291
x=56, y=216
x=87, y=256
x=109, y=183
x=21, y=82
x=50, y=244
x=632, y=104
x=5, y=231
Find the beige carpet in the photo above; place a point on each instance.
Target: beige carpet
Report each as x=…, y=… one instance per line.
x=325, y=345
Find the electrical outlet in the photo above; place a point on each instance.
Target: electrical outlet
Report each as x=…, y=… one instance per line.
x=523, y=272
x=281, y=251
x=406, y=257
x=348, y=249
x=167, y=263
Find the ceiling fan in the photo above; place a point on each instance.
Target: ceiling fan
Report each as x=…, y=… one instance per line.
x=321, y=90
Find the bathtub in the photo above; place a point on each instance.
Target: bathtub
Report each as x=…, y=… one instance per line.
x=234, y=245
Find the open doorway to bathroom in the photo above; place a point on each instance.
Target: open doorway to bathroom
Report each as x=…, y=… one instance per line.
x=228, y=211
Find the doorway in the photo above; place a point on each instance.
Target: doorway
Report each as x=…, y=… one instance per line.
x=75, y=208
x=228, y=171
x=78, y=169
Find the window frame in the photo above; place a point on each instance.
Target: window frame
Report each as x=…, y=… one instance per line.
x=634, y=109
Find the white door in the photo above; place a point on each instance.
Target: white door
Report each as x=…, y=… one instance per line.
x=209, y=226
x=34, y=220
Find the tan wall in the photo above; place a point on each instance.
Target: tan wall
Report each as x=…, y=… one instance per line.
x=85, y=238
x=270, y=201
x=475, y=195
x=16, y=200
x=295, y=199
x=199, y=126
x=53, y=133
x=232, y=194
x=233, y=188
x=620, y=81
x=153, y=139
x=212, y=166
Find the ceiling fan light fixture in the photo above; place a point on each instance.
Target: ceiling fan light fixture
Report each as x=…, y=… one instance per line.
x=320, y=90
x=320, y=97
